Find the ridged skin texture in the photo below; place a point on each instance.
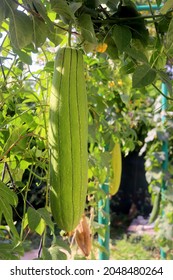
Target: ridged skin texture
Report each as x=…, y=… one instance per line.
x=68, y=139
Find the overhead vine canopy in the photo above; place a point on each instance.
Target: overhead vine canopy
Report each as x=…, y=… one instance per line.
x=140, y=39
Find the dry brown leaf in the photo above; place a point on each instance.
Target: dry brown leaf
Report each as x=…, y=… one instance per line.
x=83, y=236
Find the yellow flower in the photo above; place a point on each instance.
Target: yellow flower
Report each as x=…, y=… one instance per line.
x=120, y=82
x=101, y=47
x=111, y=84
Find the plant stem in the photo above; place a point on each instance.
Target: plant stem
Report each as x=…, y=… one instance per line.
x=155, y=25
x=119, y=20
x=69, y=36
x=169, y=98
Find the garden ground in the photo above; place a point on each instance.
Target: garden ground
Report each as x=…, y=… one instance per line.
x=136, y=242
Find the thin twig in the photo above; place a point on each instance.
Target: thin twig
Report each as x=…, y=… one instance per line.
x=155, y=25
x=167, y=97
x=40, y=246
x=3, y=173
x=10, y=175
x=118, y=20
x=3, y=73
x=14, y=144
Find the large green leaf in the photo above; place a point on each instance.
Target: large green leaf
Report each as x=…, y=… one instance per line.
x=40, y=31
x=20, y=29
x=143, y=76
x=87, y=29
x=122, y=37
x=41, y=11
x=169, y=41
x=63, y=9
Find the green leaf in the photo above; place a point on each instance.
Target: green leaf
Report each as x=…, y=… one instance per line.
x=57, y=254
x=3, y=9
x=38, y=218
x=112, y=4
x=158, y=2
x=122, y=37
x=136, y=54
x=11, y=250
x=63, y=9
x=40, y=32
x=87, y=29
x=38, y=7
x=25, y=221
x=35, y=222
x=49, y=67
x=143, y=76
x=14, y=138
x=46, y=216
x=112, y=50
x=20, y=29
x=56, y=35
x=8, y=195
x=158, y=59
x=24, y=57
x=6, y=209
x=125, y=98
x=45, y=254
x=127, y=68
x=6, y=6
x=75, y=6
x=93, y=4
x=62, y=244
x=169, y=41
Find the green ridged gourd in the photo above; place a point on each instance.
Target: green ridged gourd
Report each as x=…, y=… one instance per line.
x=68, y=139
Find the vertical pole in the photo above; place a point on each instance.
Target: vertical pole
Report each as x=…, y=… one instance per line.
x=104, y=219
x=165, y=150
